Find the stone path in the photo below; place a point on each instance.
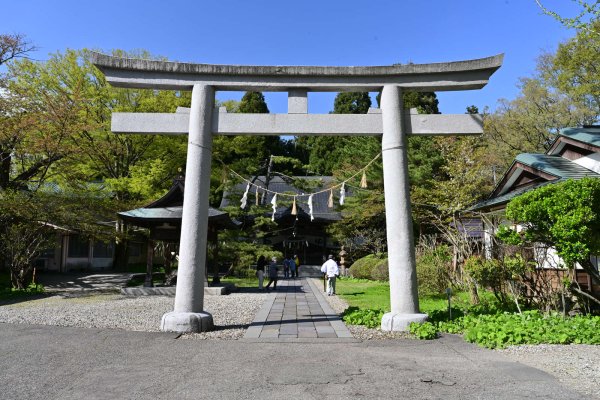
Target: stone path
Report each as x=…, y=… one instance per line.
x=297, y=310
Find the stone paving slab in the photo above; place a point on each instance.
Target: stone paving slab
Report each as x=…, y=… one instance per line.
x=297, y=310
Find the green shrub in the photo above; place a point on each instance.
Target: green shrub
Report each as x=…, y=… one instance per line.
x=492, y=326
x=31, y=290
x=371, y=318
x=424, y=331
x=381, y=271
x=373, y=266
x=531, y=327
x=433, y=265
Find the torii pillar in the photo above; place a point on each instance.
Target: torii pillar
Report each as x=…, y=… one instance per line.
x=404, y=298
x=188, y=314
x=201, y=123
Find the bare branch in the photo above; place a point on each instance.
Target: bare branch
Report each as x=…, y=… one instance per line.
x=14, y=46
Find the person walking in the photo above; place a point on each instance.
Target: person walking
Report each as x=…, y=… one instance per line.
x=286, y=267
x=297, y=262
x=260, y=271
x=332, y=271
x=273, y=273
x=293, y=270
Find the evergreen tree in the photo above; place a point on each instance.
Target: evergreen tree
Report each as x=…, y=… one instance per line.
x=351, y=103
x=254, y=103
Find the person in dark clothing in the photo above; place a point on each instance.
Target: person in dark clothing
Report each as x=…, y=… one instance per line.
x=260, y=271
x=273, y=273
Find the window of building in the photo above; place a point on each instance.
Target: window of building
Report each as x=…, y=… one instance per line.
x=103, y=250
x=135, y=249
x=79, y=247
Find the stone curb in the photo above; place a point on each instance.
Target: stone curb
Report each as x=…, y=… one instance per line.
x=341, y=330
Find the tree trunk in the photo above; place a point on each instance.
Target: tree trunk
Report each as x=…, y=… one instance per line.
x=474, y=293
x=5, y=161
x=588, y=296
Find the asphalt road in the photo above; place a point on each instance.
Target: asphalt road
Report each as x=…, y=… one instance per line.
x=48, y=362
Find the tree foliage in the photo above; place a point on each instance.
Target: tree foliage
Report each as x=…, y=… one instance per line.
x=587, y=10
x=574, y=68
x=29, y=222
x=565, y=216
x=351, y=103
x=563, y=92
x=58, y=129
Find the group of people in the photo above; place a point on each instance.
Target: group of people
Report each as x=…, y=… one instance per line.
x=291, y=265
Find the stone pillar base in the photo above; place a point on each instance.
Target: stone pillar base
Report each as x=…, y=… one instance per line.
x=400, y=322
x=186, y=322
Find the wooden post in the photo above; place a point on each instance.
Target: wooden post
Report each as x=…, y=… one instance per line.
x=149, y=263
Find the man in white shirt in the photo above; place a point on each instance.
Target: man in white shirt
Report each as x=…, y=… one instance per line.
x=331, y=269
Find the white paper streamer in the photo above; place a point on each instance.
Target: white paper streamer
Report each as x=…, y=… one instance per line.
x=274, y=203
x=310, y=207
x=245, y=197
x=342, y=193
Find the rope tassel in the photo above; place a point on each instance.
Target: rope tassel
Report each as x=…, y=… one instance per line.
x=310, y=206
x=330, y=201
x=245, y=197
x=274, y=203
x=363, y=181
x=294, y=210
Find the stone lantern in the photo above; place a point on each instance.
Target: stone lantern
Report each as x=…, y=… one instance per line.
x=342, y=254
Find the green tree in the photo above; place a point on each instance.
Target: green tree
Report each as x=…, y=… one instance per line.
x=248, y=155
x=351, y=103
x=573, y=69
x=565, y=216
x=62, y=128
x=326, y=154
x=253, y=102
x=28, y=223
x=564, y=91
x=587, y=10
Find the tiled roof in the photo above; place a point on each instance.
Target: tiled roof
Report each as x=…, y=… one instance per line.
x=169, y=209
x=555, y=165
x=589, y=135
x=505, y=198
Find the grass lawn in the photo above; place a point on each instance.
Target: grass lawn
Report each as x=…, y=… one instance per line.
x=366, y=294
x=242, y=282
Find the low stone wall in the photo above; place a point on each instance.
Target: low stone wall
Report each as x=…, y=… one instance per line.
x=170, y=291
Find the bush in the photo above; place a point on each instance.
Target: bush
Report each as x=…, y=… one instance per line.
x=496, y=325
x=371, y=318
x=373, y=266
x=433, y=265
x=31, y=290
x=424, y=331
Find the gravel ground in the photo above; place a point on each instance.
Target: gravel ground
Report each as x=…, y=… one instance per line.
x=231, y=313
x=575, y=365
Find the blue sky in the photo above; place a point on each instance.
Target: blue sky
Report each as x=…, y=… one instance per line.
x=305, y=32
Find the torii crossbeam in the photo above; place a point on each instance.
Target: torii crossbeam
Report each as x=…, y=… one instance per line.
x=201, y=123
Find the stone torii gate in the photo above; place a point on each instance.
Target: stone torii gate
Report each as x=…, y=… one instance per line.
x=201, y=123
